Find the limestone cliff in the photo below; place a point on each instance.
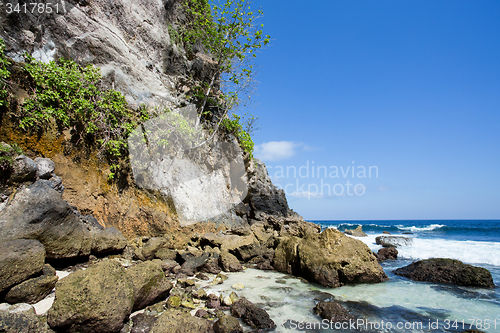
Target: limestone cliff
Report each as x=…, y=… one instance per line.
x=130, y=42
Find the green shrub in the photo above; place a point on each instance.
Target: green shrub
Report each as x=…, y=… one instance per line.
x=4, y=75
x=233, y=126
x=73, y=97
x=7, y=155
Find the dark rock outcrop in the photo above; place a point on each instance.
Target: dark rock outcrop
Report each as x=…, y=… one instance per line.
x=19, y=260
x=34, y=290
x=447, y=271
x=387, y=253
x=252, y=315
x=175, y=321
x=393, y=241
x=331, y=259
x=97, y=299
x=333, y=311
x=39, y=212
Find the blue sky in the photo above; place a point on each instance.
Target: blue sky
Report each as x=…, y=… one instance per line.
x=409, y=87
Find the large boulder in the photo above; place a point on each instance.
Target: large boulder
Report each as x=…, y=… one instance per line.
x=226, y=242
x=387, y=253
x=39, y=212
x=149, y=283
x=19, y=260
x=447, y=271
x=97, y=299
x=252, y=315
x=333, y=311
x=331, y=259
x=34, y=290
x=175, y=321
x=108, y=240
x=150, y=247
x=227, y=324
x=393, y=241
x=24, y=169
x=229, y=263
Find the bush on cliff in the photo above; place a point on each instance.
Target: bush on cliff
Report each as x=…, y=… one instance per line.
x=4, y=75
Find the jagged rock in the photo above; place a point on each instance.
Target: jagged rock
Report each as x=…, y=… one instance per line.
x=108, y=240
x=148, y=250
x=331, y=259
x=227, y=324
x=38, y=212
x=447, y=271
x=202, y=276
x=168, y=265
x=24, y=169
x=387, y=253
x=333, y=311
x=192, y=264
x=211, y=267
x=34, y=290
x=45, y=168
x=263, y=235
x=213, y=301
x=393, y=241
x=54, y=183
x=175, y=321
x=229, y=262
x=166, y=254
x=21, y=318
x=227, y=242
x=265, y=266
x=263, y=196
x=358, y=232
x=149, y=283
x=294, y=226
x=252, y=315
x=142, y=323
x=201, y=313
x=19, y=259
x=97, y=299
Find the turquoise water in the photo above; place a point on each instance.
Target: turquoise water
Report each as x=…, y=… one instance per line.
x=398, y=305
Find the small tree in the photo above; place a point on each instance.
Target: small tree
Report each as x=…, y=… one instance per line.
x=229, y=32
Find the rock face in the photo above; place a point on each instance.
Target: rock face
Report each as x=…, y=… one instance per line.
x=252, y=315
x=97, y=299
x=393, y=241
x=45, y=168
x=35, y=289
x=333, y=311
x=24, y=169
x=229, y=263
x=331, y=259
x=174, y=321
x=149, y=283
x=358, y=232
x=19, y=259
x=108, y=240
x=447, y=271
x=38, y=212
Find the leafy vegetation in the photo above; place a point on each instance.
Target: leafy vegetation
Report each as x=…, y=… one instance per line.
x=4, y=75
x=74, y=98
x=7, y=155
x=235, y=127
x=229, y=32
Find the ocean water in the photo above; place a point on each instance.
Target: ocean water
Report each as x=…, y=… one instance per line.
x=398, y=305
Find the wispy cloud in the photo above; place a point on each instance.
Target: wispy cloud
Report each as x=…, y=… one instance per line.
x=279, y=150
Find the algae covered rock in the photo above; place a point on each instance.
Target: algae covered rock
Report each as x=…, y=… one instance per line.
x=19, y=259
x=97, y=299
x=229, y=262
x=227, y=324
x=175, y=321
x=21, y=318
x=108, y=240
x=447, y=271
x=331, y=259
x=34, y=290
x=149, y=283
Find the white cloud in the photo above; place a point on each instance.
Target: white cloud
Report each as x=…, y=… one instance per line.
x=276, y=150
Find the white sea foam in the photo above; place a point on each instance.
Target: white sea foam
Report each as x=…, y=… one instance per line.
x=472, y=252
x=424, y=228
